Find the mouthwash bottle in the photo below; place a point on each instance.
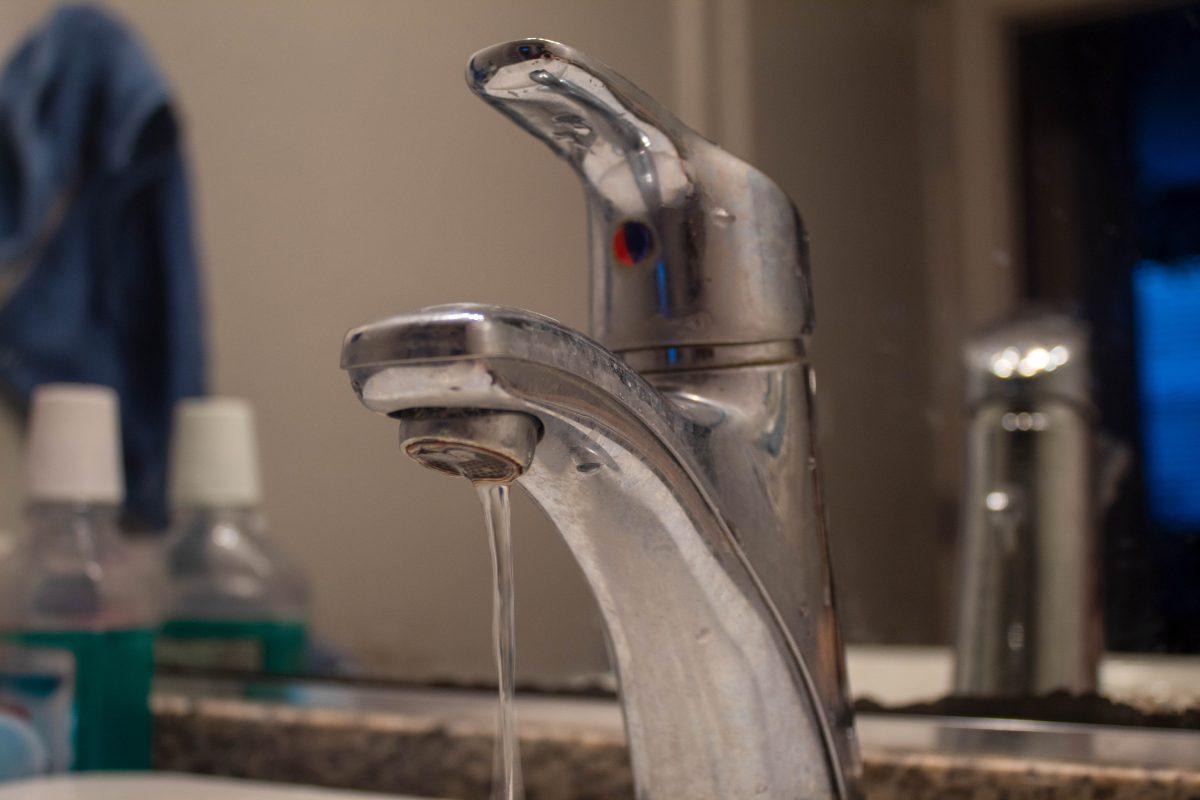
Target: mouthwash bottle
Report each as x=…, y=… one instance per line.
x=73, y=585
x=234, y=602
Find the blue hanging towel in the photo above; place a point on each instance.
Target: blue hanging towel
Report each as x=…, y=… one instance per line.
x=98, y=275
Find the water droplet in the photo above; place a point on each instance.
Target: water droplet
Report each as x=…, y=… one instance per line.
x=588, y=468
x=723, y=217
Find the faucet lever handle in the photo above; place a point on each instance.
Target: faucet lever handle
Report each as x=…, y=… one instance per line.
x=688, y=244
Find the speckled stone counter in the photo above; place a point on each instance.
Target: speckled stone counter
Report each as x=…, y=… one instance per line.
x=571, y=753
x=387, y=752
x=925, y=776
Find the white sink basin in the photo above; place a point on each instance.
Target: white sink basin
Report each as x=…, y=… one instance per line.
x=166, y=787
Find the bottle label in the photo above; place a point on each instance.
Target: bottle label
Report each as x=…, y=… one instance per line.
x=241, y=655
x=274, y=648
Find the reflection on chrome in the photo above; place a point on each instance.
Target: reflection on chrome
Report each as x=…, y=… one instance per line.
x=1033, y=361
x=1024, y=421
x=1016, y=636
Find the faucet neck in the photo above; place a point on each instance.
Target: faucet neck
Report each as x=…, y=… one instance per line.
x=693, y=512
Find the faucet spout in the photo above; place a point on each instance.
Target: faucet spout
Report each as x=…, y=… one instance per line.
x=730, y=675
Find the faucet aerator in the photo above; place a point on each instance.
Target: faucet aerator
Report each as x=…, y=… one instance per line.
x=481, y=445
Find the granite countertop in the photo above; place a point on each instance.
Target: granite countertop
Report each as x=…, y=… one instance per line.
x=439, y=744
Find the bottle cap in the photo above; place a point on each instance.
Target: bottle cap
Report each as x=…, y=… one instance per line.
x=74, y=445
x=214, y=455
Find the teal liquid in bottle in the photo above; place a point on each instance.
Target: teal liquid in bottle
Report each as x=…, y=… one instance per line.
x=113, y=672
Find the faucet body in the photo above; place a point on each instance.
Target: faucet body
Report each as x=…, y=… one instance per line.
x=676, y=455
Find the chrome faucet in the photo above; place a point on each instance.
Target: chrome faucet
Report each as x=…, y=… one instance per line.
x=675, y=454
x=1038, y=479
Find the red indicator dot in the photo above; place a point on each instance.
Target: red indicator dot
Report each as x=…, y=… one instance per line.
x=632, y=242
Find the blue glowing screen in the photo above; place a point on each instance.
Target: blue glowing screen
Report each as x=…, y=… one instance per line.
x=1167, y=303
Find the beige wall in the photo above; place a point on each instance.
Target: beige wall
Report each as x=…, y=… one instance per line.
x=836, y=110
x=343, y=173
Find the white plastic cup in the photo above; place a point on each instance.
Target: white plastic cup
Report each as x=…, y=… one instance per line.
x=74, y=446
x=214, y=454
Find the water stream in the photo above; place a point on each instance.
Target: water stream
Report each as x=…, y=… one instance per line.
x=506, y=783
